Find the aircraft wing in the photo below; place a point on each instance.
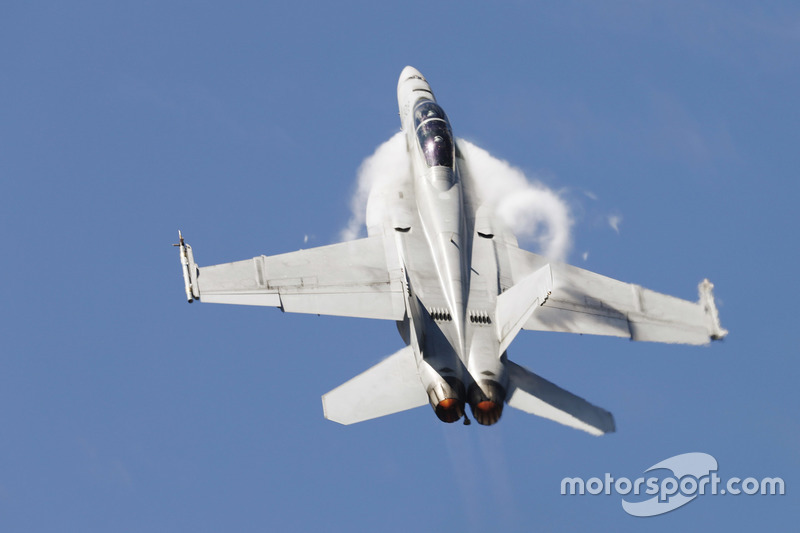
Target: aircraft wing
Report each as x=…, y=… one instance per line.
x=345, y=279
x=588, y=303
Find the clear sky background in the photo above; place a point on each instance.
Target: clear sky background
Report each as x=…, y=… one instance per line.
x=122, y=408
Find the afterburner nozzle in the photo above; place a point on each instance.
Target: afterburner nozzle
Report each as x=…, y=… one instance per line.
x=486, y=401
x=447, y=399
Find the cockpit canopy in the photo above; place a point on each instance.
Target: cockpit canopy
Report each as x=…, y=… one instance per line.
x=433, y=134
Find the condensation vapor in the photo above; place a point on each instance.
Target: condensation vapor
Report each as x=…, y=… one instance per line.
x=535, y=213
x=388, y=165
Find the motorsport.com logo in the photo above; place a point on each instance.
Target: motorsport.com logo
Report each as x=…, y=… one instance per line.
x=693, y=474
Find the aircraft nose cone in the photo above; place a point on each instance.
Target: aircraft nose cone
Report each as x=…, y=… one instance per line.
x=411, y=87
x=409, y=73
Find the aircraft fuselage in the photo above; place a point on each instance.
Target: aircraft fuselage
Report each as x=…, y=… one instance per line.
x=457, y=355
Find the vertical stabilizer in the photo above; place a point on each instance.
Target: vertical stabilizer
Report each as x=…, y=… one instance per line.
x=517, y=304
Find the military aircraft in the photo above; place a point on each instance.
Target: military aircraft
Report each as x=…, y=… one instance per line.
x=443, y=266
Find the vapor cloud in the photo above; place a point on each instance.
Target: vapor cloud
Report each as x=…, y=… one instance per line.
x=614, y=221
x=535, y=213
x=387, y=165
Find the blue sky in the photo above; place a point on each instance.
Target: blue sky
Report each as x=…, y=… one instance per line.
x=125, y=409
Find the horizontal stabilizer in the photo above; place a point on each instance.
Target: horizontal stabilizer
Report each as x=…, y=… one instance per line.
x=391, y=386
x=537, y=396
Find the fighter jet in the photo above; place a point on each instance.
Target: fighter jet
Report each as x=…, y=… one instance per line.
x=443, y=266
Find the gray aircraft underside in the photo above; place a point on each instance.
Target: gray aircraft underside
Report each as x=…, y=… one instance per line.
x=443, y=266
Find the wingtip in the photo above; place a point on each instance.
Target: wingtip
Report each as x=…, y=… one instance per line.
x=706, y=292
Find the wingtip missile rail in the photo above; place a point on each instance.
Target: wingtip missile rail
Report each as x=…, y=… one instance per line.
x=706, y=291
x=189, y=269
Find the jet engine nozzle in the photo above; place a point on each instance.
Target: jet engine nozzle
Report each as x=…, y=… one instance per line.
x=447, y=399
x=486, y=401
